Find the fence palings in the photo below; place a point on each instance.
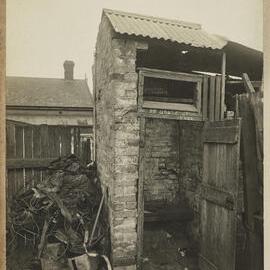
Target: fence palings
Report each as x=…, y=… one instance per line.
x=30, y=148
x=252, y=176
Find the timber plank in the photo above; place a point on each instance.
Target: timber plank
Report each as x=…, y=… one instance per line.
x=141, y=195
x=28, y=153
x=218, y=192
x=45, y=149
x=257, y=107
x=198, y=98
x=65, y=141
x=223, y=82
x=44, y=141
x=251, y=180
x=248, y=85
x=221, y=135
x=36, y=152
x=252, y=183
x=217, y=99
x=54, y=141
x=10, y=130
x=140, y=91
x=170, y=75
x=76, y=134
x=218, y=196
x=212, y=99
x=11, y=152
x=19, y=146
x=205, y=98
x=29, y=163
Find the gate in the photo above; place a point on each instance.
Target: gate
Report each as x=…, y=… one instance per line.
x=221, y=140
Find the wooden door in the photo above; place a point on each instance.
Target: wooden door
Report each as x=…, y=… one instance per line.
x=221, y=141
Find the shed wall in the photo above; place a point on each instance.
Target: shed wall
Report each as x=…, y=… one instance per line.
x=173, y=165
x=190, y=175
x=117, y=138
x=161, y=181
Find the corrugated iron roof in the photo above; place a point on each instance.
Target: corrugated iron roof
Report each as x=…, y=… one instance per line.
x=48, y=92
x=159, y=28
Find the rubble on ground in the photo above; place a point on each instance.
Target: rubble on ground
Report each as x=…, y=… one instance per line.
x=60, y=209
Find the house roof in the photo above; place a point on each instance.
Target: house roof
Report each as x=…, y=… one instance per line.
x=47, y=92
x=163, y=29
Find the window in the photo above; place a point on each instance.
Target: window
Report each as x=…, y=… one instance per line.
x=163, y=90
x=170, y=90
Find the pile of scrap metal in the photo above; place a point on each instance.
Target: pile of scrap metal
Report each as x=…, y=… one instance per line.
x=62, y=213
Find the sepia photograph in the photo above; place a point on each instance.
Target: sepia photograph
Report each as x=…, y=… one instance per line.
x=133, y=134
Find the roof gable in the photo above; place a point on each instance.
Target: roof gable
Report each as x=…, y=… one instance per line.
x=47, y=92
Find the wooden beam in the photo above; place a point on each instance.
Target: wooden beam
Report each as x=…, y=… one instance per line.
x=140, y=91
x=170, y=106
x=170, y=75
x=249, y=156
x=212, y=99
x=248, y=85
x=205, y=98
x=218, y=98
x=223, y=81
x=221, y=135
x=140, y=195
x=218, y=196
x=17, y=163
x=164, y=114
x=255, y=84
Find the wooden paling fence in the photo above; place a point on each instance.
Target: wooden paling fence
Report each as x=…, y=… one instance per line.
x=251, y=112
x=30, y=149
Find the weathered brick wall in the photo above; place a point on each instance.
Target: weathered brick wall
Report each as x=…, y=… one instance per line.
x=161, y=161
x=190, y=175
x=173, y=165
x=124, y=84
x=117, y=138
x=104, y=121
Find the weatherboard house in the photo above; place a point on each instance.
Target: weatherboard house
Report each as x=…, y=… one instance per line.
x=160, y=93
x=50, y=101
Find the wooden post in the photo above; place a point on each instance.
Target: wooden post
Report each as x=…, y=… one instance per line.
x=212, y=97
x=223, y=81
x=253, y=199
x=218, y=99
x=140, y=195
x=205, y=98
x=248, y=85
x=140, y=91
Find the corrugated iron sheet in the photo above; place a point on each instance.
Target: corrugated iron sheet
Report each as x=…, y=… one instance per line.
x=172, y=30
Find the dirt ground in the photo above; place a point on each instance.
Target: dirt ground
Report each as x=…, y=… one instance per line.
x=167, y=247
x=22, y=258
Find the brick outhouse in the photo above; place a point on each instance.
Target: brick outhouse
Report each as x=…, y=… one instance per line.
x=156, y=83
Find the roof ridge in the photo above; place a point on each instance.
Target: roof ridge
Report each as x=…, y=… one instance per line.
x=45, y=78
x=191, y=25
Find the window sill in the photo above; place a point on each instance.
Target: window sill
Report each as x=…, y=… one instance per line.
x=170, y=106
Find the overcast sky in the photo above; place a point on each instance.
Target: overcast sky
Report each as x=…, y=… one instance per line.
x=41, y=34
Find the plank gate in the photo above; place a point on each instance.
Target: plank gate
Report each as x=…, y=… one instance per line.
x=221, y=141
x=30, y=149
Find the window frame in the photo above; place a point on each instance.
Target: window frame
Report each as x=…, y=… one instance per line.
x=169, y=75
